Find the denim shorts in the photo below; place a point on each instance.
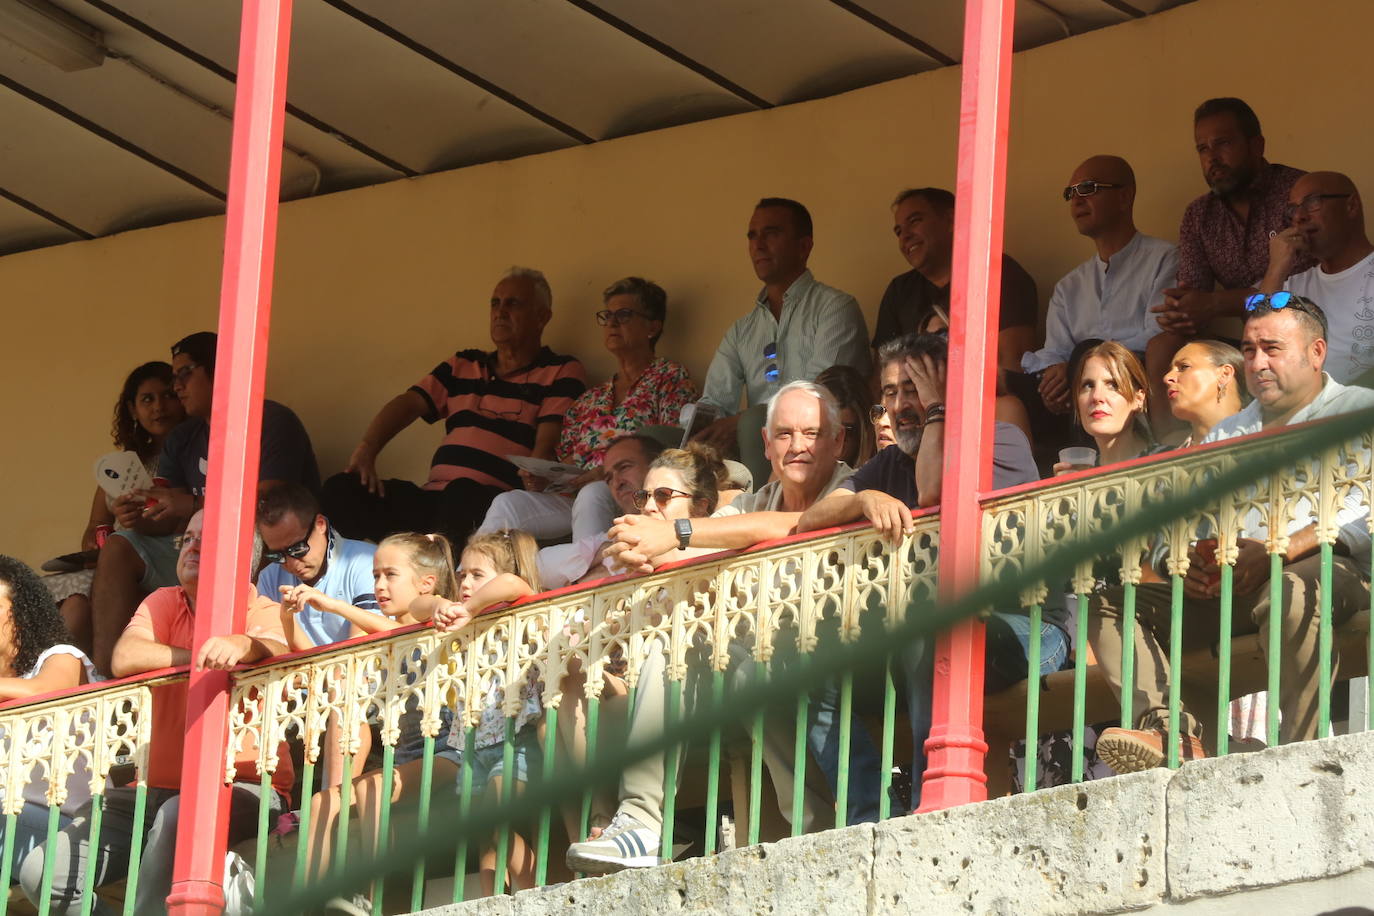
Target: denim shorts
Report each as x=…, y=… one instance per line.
x=159, y=555
x=411, y=744
x=1008, y=648
x=490, y=761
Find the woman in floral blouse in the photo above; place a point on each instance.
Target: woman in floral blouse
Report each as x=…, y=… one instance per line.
x=646, y=390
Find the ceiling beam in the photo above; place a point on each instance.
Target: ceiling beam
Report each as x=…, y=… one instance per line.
x=228, y=75
x=1121, y=6
x=110, y=136
x=670, y=52
x=878, y=22
x=459, y=70
x=45, y=214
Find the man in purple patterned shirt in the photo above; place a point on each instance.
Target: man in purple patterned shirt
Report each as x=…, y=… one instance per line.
x=1223, y=241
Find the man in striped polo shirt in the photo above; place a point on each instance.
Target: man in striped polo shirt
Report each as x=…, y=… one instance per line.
x=510, y=401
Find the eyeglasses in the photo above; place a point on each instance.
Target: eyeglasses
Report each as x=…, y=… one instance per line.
x=1280, y=300
x=1309, y=204
x=770, y=353
x=619, y=316
x=877, y=412
x=661, y=495
x=183, y=375
x=1087, y=188
x=295, y=551
x=182, y=541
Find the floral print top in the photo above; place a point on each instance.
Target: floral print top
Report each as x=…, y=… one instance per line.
x=592, y=423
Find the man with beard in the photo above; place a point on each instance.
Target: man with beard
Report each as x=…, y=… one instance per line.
x=1223, y=241
x=908, y=475
x=1326, y=221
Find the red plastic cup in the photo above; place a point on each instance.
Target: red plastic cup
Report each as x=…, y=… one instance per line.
x=102, y=534
x=161, y=483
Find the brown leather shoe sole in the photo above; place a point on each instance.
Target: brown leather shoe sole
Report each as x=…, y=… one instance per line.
x=1127, y=753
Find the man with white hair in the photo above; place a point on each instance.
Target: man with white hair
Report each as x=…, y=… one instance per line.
x=510, y=401
x=803, y=438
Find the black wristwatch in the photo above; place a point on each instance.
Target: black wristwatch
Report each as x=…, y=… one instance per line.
x=683, y=527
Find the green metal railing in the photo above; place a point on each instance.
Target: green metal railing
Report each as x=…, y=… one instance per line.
x=745, y=643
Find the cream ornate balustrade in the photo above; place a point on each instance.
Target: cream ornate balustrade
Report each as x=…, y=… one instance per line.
x=1330, y=489
x=696, y=610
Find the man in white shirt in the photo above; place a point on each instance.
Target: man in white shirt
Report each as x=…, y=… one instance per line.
x=1284, y=349
x=1107, y=297
x=1326, y=221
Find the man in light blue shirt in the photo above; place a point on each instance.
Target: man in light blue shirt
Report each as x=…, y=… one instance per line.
x=1107, y=297
x=302, y=548
x=797, y=327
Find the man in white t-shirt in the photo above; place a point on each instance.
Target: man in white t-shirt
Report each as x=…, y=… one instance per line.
x=1326, y=221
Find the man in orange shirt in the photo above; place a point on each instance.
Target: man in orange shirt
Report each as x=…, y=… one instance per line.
x=160, y=636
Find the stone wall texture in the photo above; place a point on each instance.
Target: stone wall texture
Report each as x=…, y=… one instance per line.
x=1216, y=836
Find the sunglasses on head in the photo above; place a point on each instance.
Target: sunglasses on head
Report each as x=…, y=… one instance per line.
x=770, y=353
x=1087, y=188
x=294, y=551
x=1280, y=300
x=661, y=496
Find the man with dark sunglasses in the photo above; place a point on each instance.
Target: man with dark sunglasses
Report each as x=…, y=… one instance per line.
x=796, y=328
x=1285, y=348
x=305, y=556
x=509, y=401
x=1108, y=296
x=1326, y=221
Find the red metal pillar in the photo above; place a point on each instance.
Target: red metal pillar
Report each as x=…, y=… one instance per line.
x=250, y=236
x=955, y=749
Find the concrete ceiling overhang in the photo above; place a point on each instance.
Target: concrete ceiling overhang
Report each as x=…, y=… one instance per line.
x=385, y=89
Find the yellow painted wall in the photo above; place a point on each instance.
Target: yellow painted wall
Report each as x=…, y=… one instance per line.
x=375, y=286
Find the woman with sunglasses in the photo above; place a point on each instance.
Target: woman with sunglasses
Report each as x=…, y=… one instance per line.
x=145, y=412
x=646, y=390
x=852, y=392
x=1007, y=407
x=681, y=483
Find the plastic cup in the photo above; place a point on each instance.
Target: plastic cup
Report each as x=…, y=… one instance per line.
x=1078, y=457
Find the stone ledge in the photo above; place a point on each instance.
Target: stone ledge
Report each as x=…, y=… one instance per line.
x=1152, y=840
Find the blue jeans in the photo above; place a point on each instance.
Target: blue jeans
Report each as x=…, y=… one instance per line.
x=1005, y=656
x=865, y=765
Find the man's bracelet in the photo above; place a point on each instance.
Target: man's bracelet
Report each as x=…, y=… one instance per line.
x=930, y=420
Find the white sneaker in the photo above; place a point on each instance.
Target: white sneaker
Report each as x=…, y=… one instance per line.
x=626, y=843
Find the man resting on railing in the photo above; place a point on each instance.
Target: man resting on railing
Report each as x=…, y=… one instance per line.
x=803, y=438
x=159, y=636
x=1284, y=348
x=909, y=474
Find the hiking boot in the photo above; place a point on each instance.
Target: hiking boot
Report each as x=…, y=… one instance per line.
x=1128, y=750
x=625, y=843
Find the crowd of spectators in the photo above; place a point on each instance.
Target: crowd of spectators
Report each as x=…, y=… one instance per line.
x=540, y=481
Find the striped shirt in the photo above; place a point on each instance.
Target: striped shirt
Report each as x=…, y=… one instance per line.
x=489, y=416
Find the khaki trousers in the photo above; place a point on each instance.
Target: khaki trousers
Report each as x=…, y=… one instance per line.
x=1298, y=665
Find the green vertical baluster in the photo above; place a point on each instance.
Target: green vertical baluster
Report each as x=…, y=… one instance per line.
x=756, y=762
x=889, y=736
x=1324, y=646
x=88, y=885
x=303, y=833
x=1127, y=654
x=1175, y=667
x=383, y=821
x=45, y=893
x=593, y=720
x=1032, y=756
x=264, y=809
x=417, y=881
x=460, y=858
x=842, y=780
x=799, y=757
x=1224, y=664
x=670, y=764
x=541, y=849
x=1275, y=646
x=713, y=765
x=135, y=849
x=345, y=802
x=507, y=792
x=7, y=866
x=1080, y=688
